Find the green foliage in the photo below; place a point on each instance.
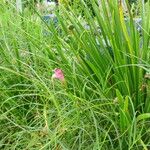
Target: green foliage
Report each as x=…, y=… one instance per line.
x=105, y=60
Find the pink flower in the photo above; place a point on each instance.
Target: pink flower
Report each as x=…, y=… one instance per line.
x=58, y=74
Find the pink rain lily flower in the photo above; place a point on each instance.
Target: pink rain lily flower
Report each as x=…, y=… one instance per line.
x=58, y=74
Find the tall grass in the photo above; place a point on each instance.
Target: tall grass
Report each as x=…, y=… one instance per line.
x=105, y=104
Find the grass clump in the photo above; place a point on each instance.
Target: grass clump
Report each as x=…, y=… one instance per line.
x=104, y=103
